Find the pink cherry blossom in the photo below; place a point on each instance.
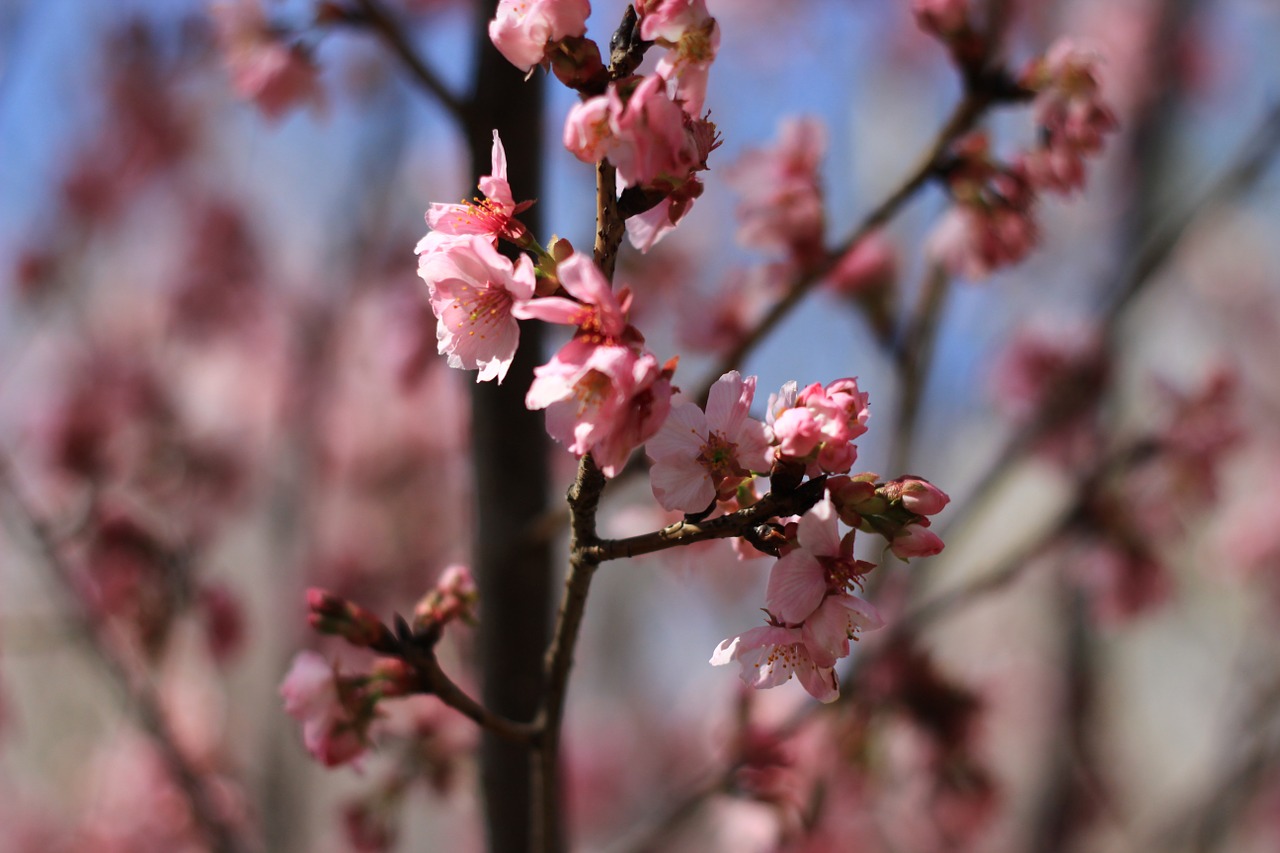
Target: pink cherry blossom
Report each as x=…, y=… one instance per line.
x=782, y=208
x=692, y=38
x=818, y=424
x=835, y=622
x=588, y=130
x=870, y=265
x=972, y=242
x=605, y=400
x=1072, y=115
x=473, y=290
x=310, y=692
x=823, y=563
x=651, y=140
x=698, y=457
x=770, y=655
x=667, y=21
x=645, y=229
x=454, y=597
x=644, y=133
x=917, y=495
x=491, y=216
x=265, y=69
x=599, y=313
x=522, y=29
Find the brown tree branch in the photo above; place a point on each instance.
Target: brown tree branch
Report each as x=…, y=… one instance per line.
x=140, y=694
x=374, y=15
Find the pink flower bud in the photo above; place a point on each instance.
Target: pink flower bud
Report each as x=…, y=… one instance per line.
x=918, y=495
x=454, y=597
x=915, y=540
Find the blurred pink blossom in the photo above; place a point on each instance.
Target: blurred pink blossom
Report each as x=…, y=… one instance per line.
x=274, y=75
x=522, y=30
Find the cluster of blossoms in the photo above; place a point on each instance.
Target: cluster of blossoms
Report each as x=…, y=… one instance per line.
x=811, y=613
x=1070, y=113
x=650, y=128
x=336, y=710
x=701, y=459
x=993, y=221
x=604, y=393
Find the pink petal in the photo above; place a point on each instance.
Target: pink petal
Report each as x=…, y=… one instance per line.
x=796, y=587
x=683, y=435
x=818, y=531
x=681, y=484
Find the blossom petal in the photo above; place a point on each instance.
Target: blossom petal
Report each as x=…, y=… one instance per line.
x=796, y=587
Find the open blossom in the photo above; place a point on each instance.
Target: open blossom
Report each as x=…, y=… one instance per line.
x=492, y=216
x=782, y=208
x=691, y=37
x=603, y=394
x=604, y=400
x=645, y=134
x=651, y=142
x=473, y=290
x=330, y=731
x=598, y=312
x=812, y=616
x=823, y=564
x=522, y=29
x=699, y=457
x=771, y=654
x=265, y=69
x=972, y=242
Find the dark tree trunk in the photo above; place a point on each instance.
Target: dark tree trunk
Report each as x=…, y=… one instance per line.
x=509, y=448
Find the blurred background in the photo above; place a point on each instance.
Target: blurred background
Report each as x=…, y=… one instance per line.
x=219, y=386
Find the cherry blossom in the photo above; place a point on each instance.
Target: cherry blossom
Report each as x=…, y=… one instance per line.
x=332, y=734
x=916, y=540
x=818, y=424
x=273, y=74
x=605, y=400
x=782, y=208
x=771, y=654
x=692, y=37
x=522, y=30
x=492, y=216
x=599, y=313
x=699, y=457
x=473, y=290
x=823, y=564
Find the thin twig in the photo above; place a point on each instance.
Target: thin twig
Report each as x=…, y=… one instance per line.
x=913, y=356
x=584, y=498
x=961, y=120
x=374, y=15
x=1132, y=281
x=140, y=693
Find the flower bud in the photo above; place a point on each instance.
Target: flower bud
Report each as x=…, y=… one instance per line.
x=915, y=540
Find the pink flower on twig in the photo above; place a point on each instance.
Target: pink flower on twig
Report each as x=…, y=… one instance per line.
x=699, y=457
x=473, y=291
x=523, y=29
x=493, y=216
